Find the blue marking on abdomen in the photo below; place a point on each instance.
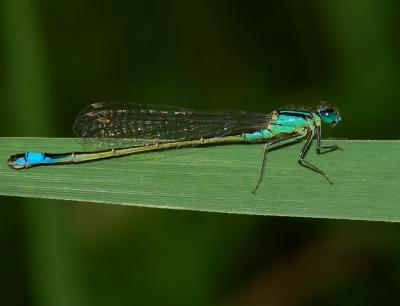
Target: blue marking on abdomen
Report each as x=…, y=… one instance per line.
x=34, y=158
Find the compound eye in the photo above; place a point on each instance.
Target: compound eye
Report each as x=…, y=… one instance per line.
x=327, y=115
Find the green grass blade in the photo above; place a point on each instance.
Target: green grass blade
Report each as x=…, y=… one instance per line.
x=366, y=176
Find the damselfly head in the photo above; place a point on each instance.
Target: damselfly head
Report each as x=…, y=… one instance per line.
x=329, y=115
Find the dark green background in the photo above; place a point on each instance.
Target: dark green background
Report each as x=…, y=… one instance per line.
x=57, y=56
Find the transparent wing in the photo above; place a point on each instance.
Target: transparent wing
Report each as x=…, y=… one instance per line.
x=155, y=122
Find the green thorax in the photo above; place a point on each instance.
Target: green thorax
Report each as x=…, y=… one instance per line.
x=284, y=122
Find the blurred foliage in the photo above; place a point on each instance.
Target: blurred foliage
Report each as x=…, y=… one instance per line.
x=57, y=56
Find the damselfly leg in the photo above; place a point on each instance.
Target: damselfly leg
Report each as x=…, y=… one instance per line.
x=303, y=152
x=330, y=148
x=291, y=138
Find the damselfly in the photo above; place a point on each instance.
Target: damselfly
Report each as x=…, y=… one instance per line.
x=167, y=127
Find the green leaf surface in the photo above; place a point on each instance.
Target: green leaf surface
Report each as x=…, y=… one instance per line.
x=366, y=176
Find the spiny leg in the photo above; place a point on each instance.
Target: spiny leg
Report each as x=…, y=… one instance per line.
x=303, y=151
x=330, y=148
x=270, y=145
x=262, y=167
